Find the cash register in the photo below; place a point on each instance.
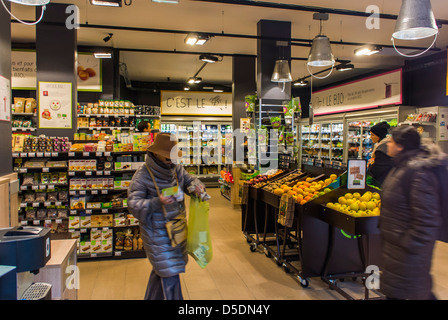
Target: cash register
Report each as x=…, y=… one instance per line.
x=23, y=251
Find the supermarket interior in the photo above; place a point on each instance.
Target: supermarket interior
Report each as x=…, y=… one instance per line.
x=274, y=107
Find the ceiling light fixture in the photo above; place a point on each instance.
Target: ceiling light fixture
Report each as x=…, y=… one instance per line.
x=103, y=55
x=192, y=80
x=166, y=1
x=186, y=88
x=368, y=50
x=281, y=72
x=108, y=3
x=107, y=39
x=415, y=21
x=208, y=58
x=300, y=83
x=196, y=39
x=320, y=53
x=36, y=3
x=345, y=67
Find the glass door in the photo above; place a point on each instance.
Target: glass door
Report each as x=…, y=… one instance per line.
x=337, y=141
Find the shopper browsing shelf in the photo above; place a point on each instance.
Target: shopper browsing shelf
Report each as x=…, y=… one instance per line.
x=412, y=209
x=380, y=163
x=155, y=196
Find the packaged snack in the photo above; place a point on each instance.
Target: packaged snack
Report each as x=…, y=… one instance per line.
x=41, y=213
x=40, y=197
x=52, y=213
x=62, y=178
x=30, y=214
x=54, y=178
x=19, y=105
x=30, y=105
x=45, y=178
x=77, y=203
x=63, y=196
x=29, y=197
x=62, y=213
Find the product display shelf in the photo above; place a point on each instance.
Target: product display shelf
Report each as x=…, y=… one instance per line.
x=23, y=122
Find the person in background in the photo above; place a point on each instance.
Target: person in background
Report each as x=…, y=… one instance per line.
x=380, y=164
x=148, y=204
x=412, y=200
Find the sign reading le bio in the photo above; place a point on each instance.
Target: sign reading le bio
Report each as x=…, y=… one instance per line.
x=195, y=103
x=380, y=90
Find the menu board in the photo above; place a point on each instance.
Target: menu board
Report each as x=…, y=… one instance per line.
x=55, y=105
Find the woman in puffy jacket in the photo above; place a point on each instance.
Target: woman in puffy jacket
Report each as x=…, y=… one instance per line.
x=380, y=163
x=410, y=216
x=146, y=203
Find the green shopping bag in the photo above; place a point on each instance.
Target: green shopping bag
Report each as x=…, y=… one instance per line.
x=199, y=243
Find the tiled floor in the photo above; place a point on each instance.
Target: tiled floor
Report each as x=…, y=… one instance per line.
x=235, y=273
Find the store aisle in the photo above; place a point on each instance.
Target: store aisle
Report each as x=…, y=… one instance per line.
x=235, y=273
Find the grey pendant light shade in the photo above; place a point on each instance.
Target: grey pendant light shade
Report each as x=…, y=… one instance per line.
x=415, y=21
x=320, y=53
x=281, y=72
x=32, y=2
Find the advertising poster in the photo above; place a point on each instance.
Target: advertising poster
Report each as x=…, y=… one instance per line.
x=23, y=70
x=88, y=72
x=356, y=178
x=5, y=99
x=55, y=105
x=196, y=103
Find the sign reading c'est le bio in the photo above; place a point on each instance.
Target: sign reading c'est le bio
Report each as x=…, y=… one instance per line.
x=195, y=103
x=379, y=90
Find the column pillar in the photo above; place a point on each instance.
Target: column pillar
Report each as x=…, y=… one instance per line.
x=56, y=50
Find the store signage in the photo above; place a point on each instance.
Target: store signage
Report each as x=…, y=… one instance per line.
x=55, y=105
x=372, y=92
x=24, y=71
x=356, y=178
x=5, y=99
x=195, y=103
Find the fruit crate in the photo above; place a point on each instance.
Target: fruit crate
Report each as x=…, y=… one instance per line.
x=352, y=225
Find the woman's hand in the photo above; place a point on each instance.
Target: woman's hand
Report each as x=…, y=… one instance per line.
x=166, y=200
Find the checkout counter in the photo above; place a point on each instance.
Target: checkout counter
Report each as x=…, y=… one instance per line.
x=33, y=267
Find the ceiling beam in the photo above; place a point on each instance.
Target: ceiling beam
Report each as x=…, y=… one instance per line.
x=287, y=6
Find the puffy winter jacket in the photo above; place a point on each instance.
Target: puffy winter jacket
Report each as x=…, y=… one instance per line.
x=382, y=162
x=145, y=205
x=409, y=223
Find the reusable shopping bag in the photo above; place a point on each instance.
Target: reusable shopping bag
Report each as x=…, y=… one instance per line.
x=199, y=243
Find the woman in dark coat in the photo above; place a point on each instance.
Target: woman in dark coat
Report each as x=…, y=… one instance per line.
x=380, y=163
x=146, y=204
x=410, y=216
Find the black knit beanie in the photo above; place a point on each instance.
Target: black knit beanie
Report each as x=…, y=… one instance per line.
x=407, y=136
x=380, y=129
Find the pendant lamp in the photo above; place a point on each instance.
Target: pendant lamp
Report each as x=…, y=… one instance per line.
x=320, y=53
x=415, y=21
x=281, y=72
x=32, y=2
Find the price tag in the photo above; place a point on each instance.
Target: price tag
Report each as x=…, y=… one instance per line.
x=42, y=187
x=107, y=173
x=23, y=154
x=45, y=169
x=58, y=203
x=89, y=211
x=72, y=212
x=15, y=154
x=55, y=154
x=83, y=230
x=23, y=222
x=93, y=255
x=23, y=187
x=23, y=170
x=71, y=173
x=23, y=205
x=73, y=193
x=47, y=221
x=35, y=204
x=36, y=222
x=88, y=173
x=47, y=154
x=71, y=154
x=58, y=220
x=99, y=173
x=47, y=203
x=94, y=192
x=86, y=154
x=99, y=154
x=106, y=154
x=39, y=154
x=104, y=192
x=82, y=191
x=50, y=187
x=117, y=253
x=35, y=187
x=31, y=154
x=104, y=211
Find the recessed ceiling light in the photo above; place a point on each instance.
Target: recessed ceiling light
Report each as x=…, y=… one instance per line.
x=368, y=50
x=300, y=83
x=186, y=88
x=108, y=3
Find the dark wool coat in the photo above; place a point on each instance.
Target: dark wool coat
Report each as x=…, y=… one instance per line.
x=409, y=223
x=383, y=163
x=145, y=205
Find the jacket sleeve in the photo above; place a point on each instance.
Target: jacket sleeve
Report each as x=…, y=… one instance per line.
x=381, y=167
x=424, y=212
x=140, y=203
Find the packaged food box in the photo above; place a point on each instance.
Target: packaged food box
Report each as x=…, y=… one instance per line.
x=84, y=222
x=84, y=247
x=96, y=246
x=106, y=246
x=93, y=205
x=73, y=222
x=95, y=234
x=106, y=234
